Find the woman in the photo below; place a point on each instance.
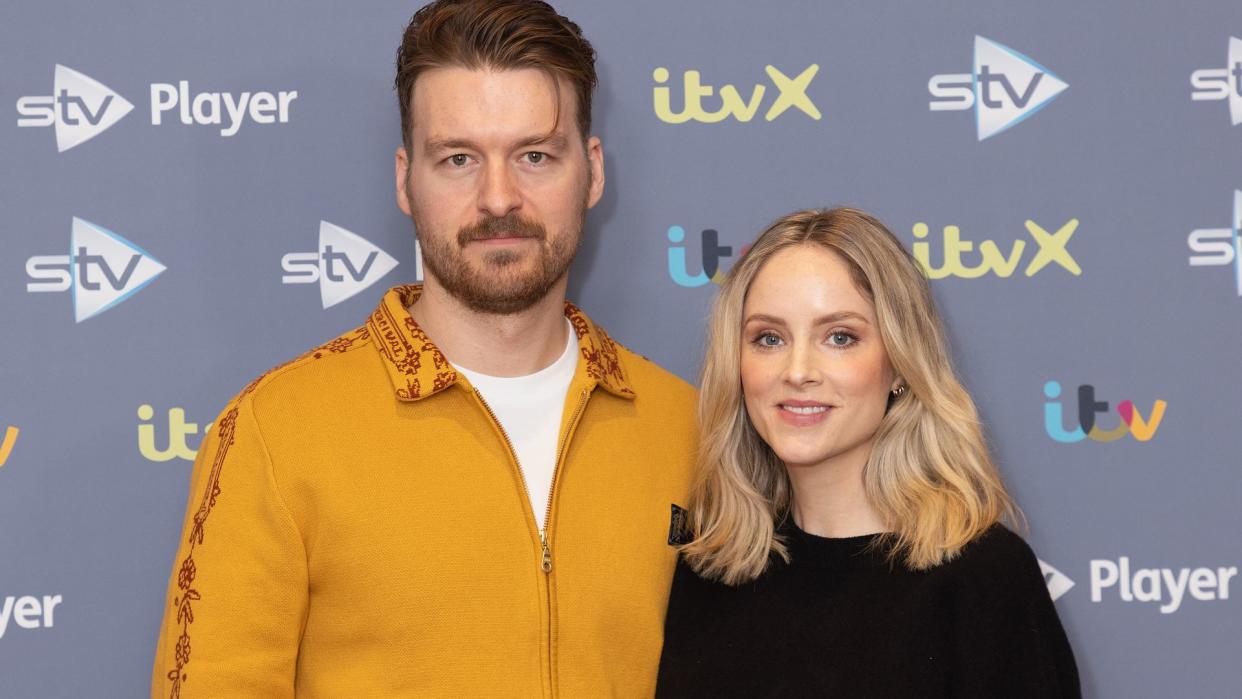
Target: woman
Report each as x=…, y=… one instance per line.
x=844, y=535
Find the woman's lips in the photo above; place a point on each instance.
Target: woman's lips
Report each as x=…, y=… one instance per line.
x=803, y=413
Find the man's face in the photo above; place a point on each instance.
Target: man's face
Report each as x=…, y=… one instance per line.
x=496, y=184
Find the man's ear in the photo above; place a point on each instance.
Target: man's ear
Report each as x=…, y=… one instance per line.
x=595, y=161
x=403, y=176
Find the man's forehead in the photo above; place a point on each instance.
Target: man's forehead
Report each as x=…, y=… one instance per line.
x=458, y=102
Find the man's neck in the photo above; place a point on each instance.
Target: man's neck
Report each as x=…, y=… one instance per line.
x=495, y=345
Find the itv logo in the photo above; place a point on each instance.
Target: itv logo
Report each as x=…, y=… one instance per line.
x=1215, y=84
x=80, y=108
x=791, y=92
x=102, y=270
x=712, y=255
x=9, y=441
x=1006, y=88
x=178, y=430
x=1218, y=247
x=345, y=264
x=1131, y=421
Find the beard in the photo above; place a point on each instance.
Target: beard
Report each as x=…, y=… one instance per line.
x=506, y=283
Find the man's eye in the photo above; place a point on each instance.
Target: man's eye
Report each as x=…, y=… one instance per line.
x=535, y=157
x=459, y=160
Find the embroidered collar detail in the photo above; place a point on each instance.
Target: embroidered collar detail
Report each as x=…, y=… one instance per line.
x=419, y=369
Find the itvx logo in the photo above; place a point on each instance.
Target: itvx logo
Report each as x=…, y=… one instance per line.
x=1217, y=247
x=790, y=92
x=1051, y=247
x=712, y=253
x=178, y=430
x=102, y=270
x=346, y=264
x=1131, y=420
x=81, y=107
x=1005, y=88
x=1214, y=84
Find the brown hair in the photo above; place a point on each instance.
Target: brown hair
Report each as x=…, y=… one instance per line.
x=501, y=34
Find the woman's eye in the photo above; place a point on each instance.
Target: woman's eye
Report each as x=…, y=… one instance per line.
x=459, y=160
x=840, y=339
x=768, y=340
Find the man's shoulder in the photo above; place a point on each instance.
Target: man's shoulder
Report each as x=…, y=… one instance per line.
x=318, y=373
x=645, y=369
x=649, y=377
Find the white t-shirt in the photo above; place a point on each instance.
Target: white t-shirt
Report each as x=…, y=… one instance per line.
x=529, y=409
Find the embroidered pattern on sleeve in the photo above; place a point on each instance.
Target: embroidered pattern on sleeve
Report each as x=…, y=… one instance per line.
x=186, y=574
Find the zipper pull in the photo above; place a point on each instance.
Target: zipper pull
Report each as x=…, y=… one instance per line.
x=546, y=563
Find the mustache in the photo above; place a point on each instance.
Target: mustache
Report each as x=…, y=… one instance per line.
x=508, y=226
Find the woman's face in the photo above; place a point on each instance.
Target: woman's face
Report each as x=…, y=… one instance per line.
x=815, y=374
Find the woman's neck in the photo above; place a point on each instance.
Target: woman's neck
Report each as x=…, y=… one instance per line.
x=829, y=499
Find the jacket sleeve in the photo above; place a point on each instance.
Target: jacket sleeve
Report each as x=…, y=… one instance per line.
x=237, y=596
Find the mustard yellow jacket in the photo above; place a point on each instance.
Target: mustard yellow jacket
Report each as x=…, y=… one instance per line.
x=358, y=527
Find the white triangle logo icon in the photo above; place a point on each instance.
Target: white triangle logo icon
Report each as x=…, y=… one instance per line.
x=1237, y=238
x=348, y=263
x=1058, y=582
x=1009, y=87
x=106, y=269
x=97, y=108
x=1235, y=100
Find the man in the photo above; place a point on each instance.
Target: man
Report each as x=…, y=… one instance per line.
x=470, y=494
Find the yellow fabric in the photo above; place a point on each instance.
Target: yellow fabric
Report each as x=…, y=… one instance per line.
x=358, y=527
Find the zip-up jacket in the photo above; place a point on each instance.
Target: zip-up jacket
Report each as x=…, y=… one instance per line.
x=358, y=526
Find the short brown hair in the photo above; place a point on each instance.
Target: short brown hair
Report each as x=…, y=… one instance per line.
x=501, y=34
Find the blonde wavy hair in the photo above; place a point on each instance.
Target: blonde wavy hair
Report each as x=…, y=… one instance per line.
x=929, y=476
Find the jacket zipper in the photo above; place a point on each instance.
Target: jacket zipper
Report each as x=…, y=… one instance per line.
x=545, y=561
x=547, y=551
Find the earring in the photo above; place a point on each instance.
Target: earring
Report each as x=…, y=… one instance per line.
x=899, y=391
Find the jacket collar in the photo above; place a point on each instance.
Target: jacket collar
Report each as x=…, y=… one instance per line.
x=417, y=368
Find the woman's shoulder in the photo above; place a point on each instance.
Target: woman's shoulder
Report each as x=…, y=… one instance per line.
x=996, y=556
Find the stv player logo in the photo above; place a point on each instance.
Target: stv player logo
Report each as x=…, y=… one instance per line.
x=1213, y=84
x=345, y=264
x=80, y=108
x=103, y=269
x=1005, y=89
x=1058, y=583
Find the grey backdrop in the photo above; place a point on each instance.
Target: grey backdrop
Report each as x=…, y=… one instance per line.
x=1125, y=150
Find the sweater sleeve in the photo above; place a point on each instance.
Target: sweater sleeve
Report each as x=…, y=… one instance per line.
x=1009, y=639
x=237, y=596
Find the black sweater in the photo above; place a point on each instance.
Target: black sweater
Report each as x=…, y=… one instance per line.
x=840, y=621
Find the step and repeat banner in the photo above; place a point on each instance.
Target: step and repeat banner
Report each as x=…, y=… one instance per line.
x=193, y=193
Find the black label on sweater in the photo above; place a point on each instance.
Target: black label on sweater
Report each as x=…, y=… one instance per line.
x=679, y=527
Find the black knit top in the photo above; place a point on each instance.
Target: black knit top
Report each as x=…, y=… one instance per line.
x=840, y=621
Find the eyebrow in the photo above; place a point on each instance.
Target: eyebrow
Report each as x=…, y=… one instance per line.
x=822, y=320
x=556, y=141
